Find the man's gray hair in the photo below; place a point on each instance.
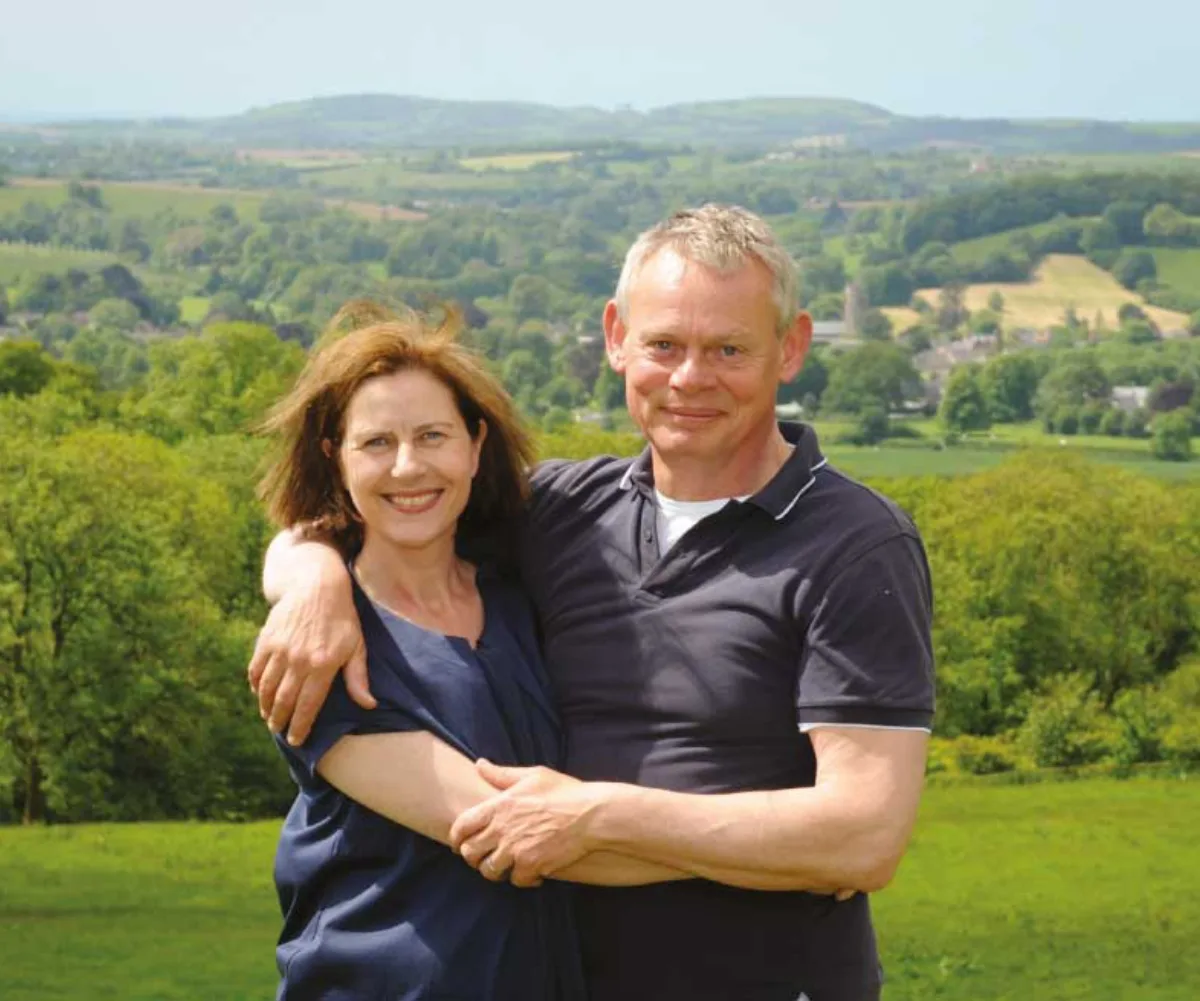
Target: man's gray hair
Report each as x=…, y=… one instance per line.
x=722, y=237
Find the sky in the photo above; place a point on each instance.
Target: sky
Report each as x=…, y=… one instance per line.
x=966, y=58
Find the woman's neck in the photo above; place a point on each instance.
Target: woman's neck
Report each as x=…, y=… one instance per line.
x=431, y=577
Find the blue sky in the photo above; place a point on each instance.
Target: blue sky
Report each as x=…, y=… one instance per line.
x=975, y=58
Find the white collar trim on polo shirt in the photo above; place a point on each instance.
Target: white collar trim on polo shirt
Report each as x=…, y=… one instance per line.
x=627, y=482
x=803, y=490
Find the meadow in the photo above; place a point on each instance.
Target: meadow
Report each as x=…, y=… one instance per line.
x=1061, y=280
x=922, y=454
x=137, y=200
x=1178, y=267
x=1059, y=890
x=18, y=258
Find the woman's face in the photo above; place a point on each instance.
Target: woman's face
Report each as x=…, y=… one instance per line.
x=407, y=458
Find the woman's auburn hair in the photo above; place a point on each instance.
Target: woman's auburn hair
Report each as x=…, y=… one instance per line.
x=303, y=486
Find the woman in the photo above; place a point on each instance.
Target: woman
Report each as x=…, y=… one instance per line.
x=398, y=446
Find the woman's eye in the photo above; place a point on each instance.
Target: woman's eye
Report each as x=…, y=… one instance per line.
x=379, y=442
x=433, y=436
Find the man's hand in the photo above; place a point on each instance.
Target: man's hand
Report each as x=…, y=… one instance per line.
x=310, y=634
x=536, y=826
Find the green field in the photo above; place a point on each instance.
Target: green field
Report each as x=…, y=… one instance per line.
x=1077, y=890
x=1178, y=267
x=17, y=258
x=922, y=456
x=367, y=177
x=141, y=201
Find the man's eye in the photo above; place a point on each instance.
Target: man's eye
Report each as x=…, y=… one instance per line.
x=660, y=346
x=730, y=351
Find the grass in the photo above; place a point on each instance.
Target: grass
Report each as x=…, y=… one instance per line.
x=976, y=251
x=1072, y=890
x=922, y=456
x=1061, y=280
x=139, y=200
x=516, y=161
x=1179, y=267
x=18, y=258
x=193, y=308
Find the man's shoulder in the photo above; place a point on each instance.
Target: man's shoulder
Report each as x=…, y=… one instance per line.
x=858, y=507
x=572, y=482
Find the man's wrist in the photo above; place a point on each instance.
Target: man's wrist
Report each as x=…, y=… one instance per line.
x=608, y=822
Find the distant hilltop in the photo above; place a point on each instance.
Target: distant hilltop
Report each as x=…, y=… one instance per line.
x=388, y=120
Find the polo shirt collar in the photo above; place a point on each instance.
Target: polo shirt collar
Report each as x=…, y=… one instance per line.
x=795, y=477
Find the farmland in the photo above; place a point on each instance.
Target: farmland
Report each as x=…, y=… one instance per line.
x=1099, y=897
x=1061, y=281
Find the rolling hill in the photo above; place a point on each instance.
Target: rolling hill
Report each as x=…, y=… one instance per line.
x=388, y=120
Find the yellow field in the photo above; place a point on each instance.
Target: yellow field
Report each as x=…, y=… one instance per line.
x=1059, y=282
x=516, y=161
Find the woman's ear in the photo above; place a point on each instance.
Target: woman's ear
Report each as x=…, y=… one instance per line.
x=327, y=448
x=480, y=438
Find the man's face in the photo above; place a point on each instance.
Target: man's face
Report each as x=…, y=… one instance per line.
x=702, y=356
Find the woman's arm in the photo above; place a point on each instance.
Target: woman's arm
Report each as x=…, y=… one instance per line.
x=419, y=781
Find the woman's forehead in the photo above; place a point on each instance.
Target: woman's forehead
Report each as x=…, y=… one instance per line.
x=413, y=396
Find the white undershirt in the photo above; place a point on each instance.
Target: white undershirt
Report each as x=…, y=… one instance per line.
x=676, y=517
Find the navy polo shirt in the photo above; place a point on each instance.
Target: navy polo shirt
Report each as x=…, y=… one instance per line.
x=699, y=670
x=375, y=911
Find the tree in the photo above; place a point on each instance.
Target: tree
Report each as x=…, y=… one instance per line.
x=1166, y=225
x=1077, y=379
x=964, y=402
x=875, y=326
x=809, y=382
x=996, y=302
x=25, y=368
x=952, y=311
x=114, y=314
x=113, y=698
x=530, y=297
x=1171, y=437
x=1134, y=266
x=220, y=381
x=873, y=375
x=1126, y=219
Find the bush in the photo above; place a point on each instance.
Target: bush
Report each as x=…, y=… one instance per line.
x=1141, y=717
x=984, y=755
x=872, y=427
x=1064, y=726
x=1172, y=437
x=1113, y=422
x=1137, y=423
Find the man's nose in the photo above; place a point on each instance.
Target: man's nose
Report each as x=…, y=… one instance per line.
x=691, y=373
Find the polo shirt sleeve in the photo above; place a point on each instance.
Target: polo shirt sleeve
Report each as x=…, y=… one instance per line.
x=868, y=653
x=398, y=710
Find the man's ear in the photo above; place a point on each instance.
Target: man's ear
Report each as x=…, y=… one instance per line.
x=797, y=339
x=614, y=337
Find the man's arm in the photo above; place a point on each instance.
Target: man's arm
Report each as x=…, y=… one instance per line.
x=849, y=830
x=311, y=633
x=417, y=780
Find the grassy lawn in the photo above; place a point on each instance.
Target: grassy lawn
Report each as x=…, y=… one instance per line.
x=1073, y=890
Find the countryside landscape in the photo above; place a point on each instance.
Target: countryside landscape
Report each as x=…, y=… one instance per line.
x=1007, y=342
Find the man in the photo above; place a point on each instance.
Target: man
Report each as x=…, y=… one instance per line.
x=738, y=637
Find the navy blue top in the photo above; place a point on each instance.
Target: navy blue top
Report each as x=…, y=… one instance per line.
x=373, y=910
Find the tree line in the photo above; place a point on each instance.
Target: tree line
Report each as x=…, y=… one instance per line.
x=130, y=546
